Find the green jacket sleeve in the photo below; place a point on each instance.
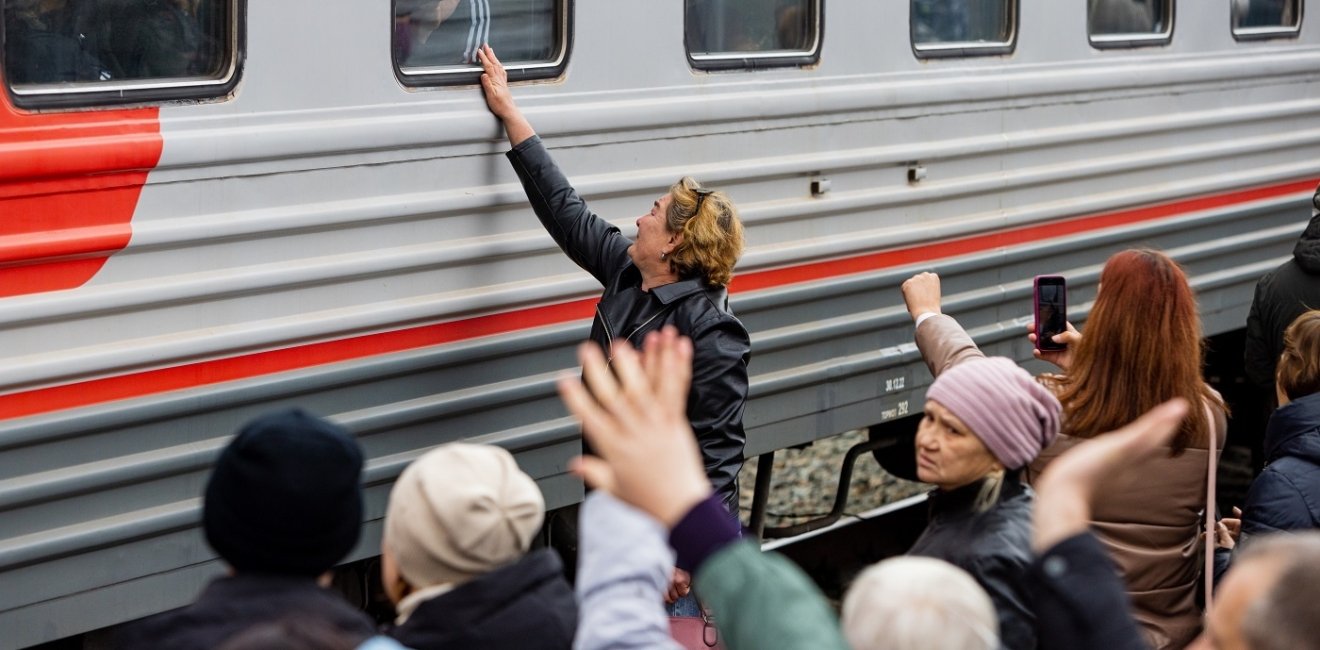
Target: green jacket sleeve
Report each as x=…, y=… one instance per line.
x=762, y=601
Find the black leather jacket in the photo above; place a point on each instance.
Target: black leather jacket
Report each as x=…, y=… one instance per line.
x=721, y=346
x=993, y=545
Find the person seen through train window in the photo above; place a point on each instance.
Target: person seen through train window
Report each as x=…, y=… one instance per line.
x=455, y=556
x=161, y=38
x=51, y=41
x=675, y=272
x=1137, y=353
x=1123, y=17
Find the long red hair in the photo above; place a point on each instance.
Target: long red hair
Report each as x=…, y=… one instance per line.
x=1141, y=347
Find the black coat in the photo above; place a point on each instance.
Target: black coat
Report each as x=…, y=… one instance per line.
x=1081, y=604
x=994, y=546
x=721, y=345
x=1286, y=496
x=231, y=605
x=527, y=605
x=1282, y=296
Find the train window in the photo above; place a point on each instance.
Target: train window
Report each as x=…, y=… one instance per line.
x=962, y=27
x=89, y=52
x=1266, y=18
x=1129, y=23
x=723, y=34
x=436, y=41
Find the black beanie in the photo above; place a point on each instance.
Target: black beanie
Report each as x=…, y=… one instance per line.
x=285, y=496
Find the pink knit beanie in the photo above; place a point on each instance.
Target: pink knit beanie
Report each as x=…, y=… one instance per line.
x=1013, y=415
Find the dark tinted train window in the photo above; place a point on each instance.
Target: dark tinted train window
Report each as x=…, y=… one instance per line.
x=1266, y=18
x=752, y=33
x=962, y=27
x=436, y=41
x=118, y=51
x=1129, y=22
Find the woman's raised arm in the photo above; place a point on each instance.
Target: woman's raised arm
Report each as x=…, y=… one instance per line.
x=495, y=87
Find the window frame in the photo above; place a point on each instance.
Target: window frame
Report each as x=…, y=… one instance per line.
x=759, y=60
x=1265, y=33
x=96, y=94
x=1128, y=41
x=448, y=76
x=966, y=49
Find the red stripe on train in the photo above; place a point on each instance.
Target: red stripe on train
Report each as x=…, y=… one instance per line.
x=140, y=384
x=69, y=184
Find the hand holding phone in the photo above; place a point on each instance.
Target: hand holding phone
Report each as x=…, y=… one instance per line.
x=1051, y=309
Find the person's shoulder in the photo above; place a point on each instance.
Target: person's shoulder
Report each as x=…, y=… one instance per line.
x=1273, y=285
x=708, y=311
x=1290, y=471
x=187, y=627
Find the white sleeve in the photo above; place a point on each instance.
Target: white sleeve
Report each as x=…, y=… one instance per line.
x=624, y=565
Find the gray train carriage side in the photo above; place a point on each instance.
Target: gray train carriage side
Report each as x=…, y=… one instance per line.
x=316, y=217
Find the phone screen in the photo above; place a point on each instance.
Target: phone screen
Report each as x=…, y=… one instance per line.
x=1051, y=311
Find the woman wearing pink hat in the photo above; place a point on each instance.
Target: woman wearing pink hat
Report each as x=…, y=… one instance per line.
x=985, y=420
x=1137, y=353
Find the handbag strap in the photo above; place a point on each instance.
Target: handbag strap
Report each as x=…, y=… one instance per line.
x=1212, y=466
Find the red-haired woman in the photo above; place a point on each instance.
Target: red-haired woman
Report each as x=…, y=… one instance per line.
x=1142, y=348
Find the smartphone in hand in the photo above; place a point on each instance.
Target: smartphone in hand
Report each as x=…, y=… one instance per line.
x=1051, y=308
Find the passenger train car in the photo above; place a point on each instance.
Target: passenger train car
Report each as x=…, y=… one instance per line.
x=212, y=208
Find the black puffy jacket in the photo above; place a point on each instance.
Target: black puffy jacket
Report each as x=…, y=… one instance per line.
x=1286, y=496
x=527, y=605
x=994, y=545
x=1282, y=296
x=721, y=346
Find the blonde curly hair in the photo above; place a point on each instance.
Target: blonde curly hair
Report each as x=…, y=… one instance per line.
x=712, y=232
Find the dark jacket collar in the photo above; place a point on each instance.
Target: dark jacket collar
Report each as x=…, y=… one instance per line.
x=1294, y=430
x=669, y=293
x=963, y=499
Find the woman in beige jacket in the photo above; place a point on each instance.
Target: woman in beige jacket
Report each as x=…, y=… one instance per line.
x=1138, y=352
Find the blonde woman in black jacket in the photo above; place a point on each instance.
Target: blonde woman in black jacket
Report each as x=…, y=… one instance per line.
x=675, y=272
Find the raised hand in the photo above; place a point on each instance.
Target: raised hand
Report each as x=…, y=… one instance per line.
x=1061, y=358
x=633, y=414
x=495, y=87
x=921, y=294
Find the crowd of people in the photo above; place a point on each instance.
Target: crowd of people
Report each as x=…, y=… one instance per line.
x=1068, y=510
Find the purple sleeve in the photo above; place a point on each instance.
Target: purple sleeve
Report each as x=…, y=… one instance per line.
x=705, y=529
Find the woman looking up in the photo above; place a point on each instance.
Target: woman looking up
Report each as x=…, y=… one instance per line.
x=675, y=272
